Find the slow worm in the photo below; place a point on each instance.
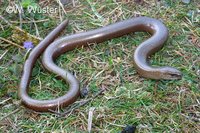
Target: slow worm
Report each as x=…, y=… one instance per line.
x=52, y=49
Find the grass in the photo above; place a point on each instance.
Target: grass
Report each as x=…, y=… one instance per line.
x=154, y=106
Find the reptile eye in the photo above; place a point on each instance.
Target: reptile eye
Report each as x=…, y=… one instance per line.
x=175, y=76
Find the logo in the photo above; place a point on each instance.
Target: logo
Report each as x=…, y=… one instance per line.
x=36, y=9
x=14, y=9
x=31, y=9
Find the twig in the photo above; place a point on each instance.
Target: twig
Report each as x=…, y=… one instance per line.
x=90, y=115
x=191, y=118
x=95, y=11
x=73, y=3
x=6, y=21
x=4, y=101
x=28, y=34
x=5, y=40
x=19, y=30
x=78, y=106
x=3, y=56
x=1, y=26
x=20, y=16
x=36, y=29
x=61, y=5
x=27, y=22
x=15, y=111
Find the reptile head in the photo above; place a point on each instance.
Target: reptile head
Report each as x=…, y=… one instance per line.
x=170, y=73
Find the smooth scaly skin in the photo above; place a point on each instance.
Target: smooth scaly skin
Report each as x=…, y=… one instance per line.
x=45, y=105
x=159, y=36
